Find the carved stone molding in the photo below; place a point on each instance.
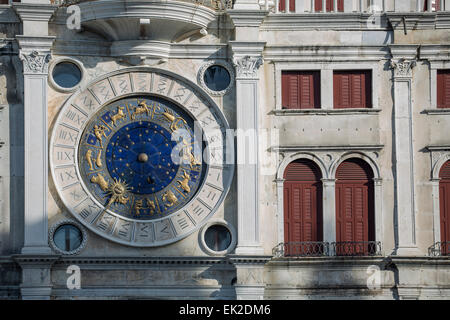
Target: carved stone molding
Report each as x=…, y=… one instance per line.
x=35, y=62
x=403, y=68
x=247, y=66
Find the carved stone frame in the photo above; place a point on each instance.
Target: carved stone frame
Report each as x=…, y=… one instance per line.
x=201, y=74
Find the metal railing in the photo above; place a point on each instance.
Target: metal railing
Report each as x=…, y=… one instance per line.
x=318, y=249
x=439, y=249
x=301, y=249
x=218, y=5
x=356, y=248
x=309, y=6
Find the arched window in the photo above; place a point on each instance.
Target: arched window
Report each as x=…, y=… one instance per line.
x=302, y=206
x=355, y=223
x=444, y=204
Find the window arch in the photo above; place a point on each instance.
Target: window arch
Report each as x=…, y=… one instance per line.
x=444, y=205
x=302, y=204
x=355, y=221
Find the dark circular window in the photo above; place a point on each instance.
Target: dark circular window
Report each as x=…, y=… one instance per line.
x=217, y=78
x=68, y=237
x=218, y=237
x=66, y=74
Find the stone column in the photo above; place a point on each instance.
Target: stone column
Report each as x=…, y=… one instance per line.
x=34, y=44
x=329, y=210
x=402, y=63
x=247, y=63
x=34, y=47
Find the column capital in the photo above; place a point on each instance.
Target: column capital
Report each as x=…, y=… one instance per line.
x=35, y=53
x=35, y=62
x=403, y=67
x=247, y=66
x=328, y=182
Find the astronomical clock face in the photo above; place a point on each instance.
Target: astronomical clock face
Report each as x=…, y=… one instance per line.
x=129, y=162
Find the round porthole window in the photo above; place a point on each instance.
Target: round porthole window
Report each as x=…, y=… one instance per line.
x=216, y=77
x=218, y=237
x=67, y=237
x=66, y=74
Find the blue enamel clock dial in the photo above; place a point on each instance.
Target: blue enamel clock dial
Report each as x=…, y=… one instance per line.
x=134, y=161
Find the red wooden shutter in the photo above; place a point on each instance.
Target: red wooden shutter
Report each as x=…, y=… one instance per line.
x=300, y=89
x=330, y=5
x=282, y=5
x=354, y=205
x=302, y=205
x=352, y=89
x=437, y=5
x=444, y=204
x=443, y=89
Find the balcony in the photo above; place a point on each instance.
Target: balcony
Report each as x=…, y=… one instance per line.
x=323, y=249
x=439, y=249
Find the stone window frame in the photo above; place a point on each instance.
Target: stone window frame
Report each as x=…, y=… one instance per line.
x=227, y=225
x=58, y=224
x=76, y=62
x=439, y=156
x=326, y=85
x=328, y=160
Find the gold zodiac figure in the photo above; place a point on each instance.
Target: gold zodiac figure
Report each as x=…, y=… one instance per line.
x=100, y=180
x=118, y=116
x=184, y=184
x=170, y=198
x=140, y=109
x=138, y=205
x=188, y=155
x=99, y=132
x=151, y=206
x=174, y=121
x=90, y=158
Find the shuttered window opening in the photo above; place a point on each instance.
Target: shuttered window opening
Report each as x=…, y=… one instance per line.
x=352, y=89
x=330, y=5
x=302, y=205
x=443, y=89
x=300, y=89
x=435, y=5
x=317, y=5
x=282, y=5
x=444, y=205
x=354, y=205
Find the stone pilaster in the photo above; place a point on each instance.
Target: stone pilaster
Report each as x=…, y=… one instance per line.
x=402, y=63
x=34, y=50
x=250, y=283
x=329, y=210
x=247, y=59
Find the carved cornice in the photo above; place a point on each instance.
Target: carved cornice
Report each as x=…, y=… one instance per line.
x=403, y=67
x=247, y=66
x=35, y=62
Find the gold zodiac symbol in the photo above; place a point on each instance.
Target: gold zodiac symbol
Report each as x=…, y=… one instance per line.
x=174, y=121
x=141, y=108
x=151, y=206
x=99, y=132
x=118, y=116
x=170, y=198
x=188, y=155
x=117, y=192
x=138, y=205
x=184, y=184
x=89, y=158
x=100, y=181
